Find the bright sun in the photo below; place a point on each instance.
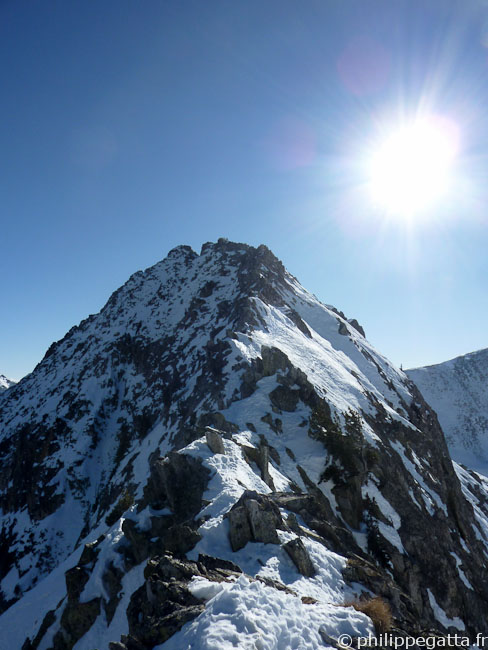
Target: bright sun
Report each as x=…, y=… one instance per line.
x=411, y=169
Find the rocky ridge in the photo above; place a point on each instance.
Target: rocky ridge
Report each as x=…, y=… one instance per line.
x=217, y=441
x=5, y=383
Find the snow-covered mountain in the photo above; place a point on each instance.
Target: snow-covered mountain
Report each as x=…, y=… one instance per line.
x=5, y=383
x=217, y=460
x=458, y=392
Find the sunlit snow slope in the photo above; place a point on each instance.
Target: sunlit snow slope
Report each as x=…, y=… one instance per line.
x=458, y=392
x=5, y=383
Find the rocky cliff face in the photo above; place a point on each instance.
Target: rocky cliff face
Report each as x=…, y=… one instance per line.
x=458, y=392
x=217, y=455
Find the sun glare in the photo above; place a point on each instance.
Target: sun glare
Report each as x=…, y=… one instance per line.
x=410, y=170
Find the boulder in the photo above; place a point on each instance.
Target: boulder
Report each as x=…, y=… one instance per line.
x=263, y=522
x=239, y=528
x=254, y=518
x=299, y=554
x=214, y=441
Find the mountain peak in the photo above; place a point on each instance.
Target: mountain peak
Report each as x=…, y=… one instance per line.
x=456, y=389
x=216, y=424
x=5, y=383
x=182, y=251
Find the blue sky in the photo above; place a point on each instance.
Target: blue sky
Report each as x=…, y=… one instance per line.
x=127, y=128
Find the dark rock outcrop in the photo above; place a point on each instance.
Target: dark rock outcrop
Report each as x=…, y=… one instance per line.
x=254, y=518
x=299, y=554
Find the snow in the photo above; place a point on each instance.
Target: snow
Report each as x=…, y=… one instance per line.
x=99, y=635
x=249, y=614
x=460, y=571
x=215, y=628
x=389, y=532
x=5, y=383
x=441, y=615
x=9, y=582
x=106, y=553
x=473, y=484
x=231, y=476
x=294, y=437
x=429, y=495
x=205, y=589
x=25, y=616
x=355, y=347
x=327, y=367
x=252, y=616
x=456, y=389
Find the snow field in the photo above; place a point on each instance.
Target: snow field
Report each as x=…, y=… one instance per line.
x=252, y=616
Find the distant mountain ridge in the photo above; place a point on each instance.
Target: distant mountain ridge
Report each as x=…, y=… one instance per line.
x=5, y=383
x=217, y=455
x=458, y=392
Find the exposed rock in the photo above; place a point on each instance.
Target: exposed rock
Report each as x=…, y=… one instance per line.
x=76, y=620
x=239, y=528
x=357, y=326
x=260, y=456
x=405, y=608
x=343, y=329
x=179, y=539
x=293, y=525
x=284, y=398
x=275, y=584
x=299, y=554
x=216, y=420
x=178, y=481
x=90, y=552
x=214, y=441
x=254, y=518
x=112, y=582
x=317, y=514
x=125, y=501
x=213, y=563
x=263, y=522
x=275, y=424
x=128, y=642
x=76, y=579
x=164, y=604
x=138, y=541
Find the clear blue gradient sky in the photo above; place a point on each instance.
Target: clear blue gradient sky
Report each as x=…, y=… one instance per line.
x=130, y=127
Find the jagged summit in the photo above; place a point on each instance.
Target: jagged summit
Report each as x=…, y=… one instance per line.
x=5, y=383
x=458, y=391
x=217, y=431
